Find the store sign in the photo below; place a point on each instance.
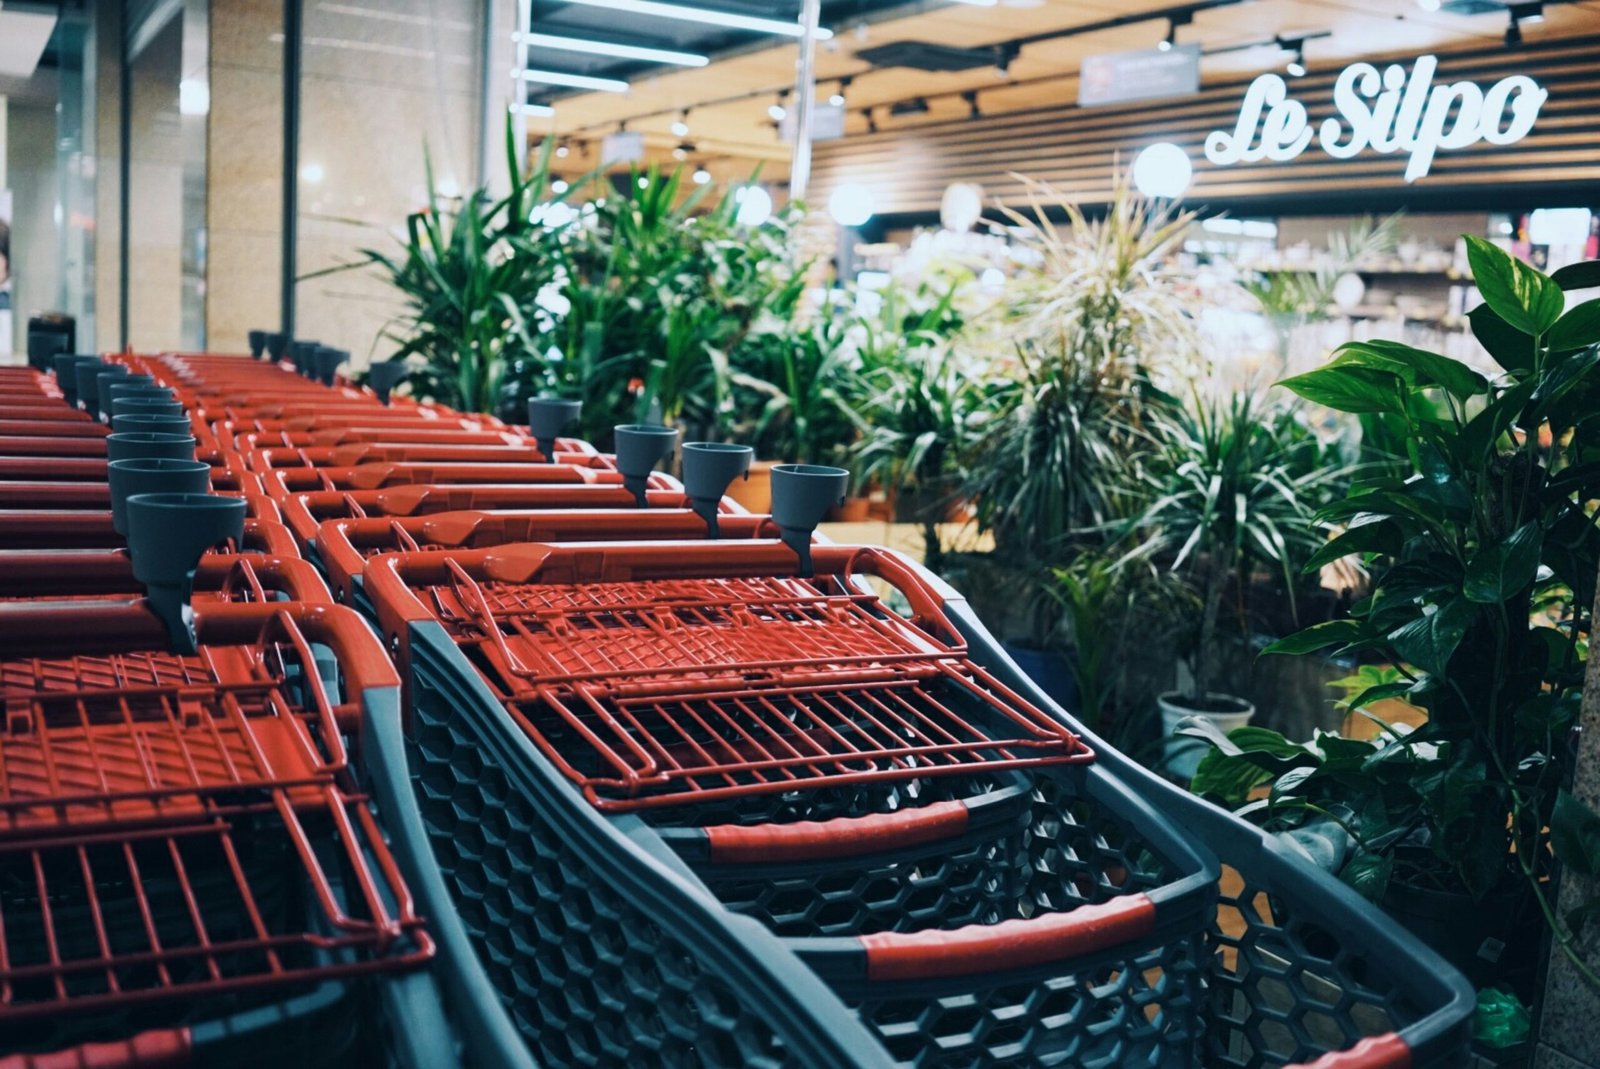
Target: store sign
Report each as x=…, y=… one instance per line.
x=1391, y=112
x=1148, y=74
x=624, y=146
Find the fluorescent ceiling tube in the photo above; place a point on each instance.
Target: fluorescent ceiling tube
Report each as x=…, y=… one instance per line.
x=543, y=111
x=975, y=3
x=683, y=13
x=573, y=81
x=605, y=48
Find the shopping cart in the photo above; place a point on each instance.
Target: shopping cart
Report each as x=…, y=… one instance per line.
x=182, y=851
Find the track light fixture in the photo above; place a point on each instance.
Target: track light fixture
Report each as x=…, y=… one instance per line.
x=837, y=99
x=971, y=97
x=779, y=109
x=680, y=128
x=1182, y=18
x=872, y=122
x=1517, y=14
x=1296, y=47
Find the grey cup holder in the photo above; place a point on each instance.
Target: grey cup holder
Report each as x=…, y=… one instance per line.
x=801, y=495
x=163, y=424
x=327, y=360
x=67, y=365
x=121, y=391
x=139, y=445
x=89, y=374
x=258, y=343
x=167, y=536
x=708, y=468
x=277, y=345
x=104, y=383
x=547, y=418
x=384, y=377
x=152, y=475
x=304, y=356
x=123, y=405
x=640, y=447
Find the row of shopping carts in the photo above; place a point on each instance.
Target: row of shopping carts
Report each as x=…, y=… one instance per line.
x=470, y=744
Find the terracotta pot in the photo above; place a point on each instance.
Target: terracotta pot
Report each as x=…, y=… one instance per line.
x=855, y=510
x=755, y=493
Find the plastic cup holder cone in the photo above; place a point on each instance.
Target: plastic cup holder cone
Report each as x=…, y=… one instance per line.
x=89, y=374
x=144, y=406
x=384, y=376
x=708, y=468
x=139, y=445
x=152, y=475
x=258, y=343
x=67, y=365
x=140, y=421
x=328, y=360
x=547, y=418
x=640, y=447
x=167, y=535
x=801, y=495
x=303, y=354
x=104, y=383
x=277, y=344
x=123, y=390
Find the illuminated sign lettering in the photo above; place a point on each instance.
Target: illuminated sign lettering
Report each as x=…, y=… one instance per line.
x=1389, y=112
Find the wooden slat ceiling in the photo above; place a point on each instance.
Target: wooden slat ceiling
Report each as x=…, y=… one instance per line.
x=731, y=137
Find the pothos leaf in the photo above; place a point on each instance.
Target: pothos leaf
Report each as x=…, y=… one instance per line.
x=1368, y=874
x=1497, y=572
x=1429, y=641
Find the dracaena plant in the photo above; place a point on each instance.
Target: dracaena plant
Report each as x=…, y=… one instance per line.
x=1484, y=560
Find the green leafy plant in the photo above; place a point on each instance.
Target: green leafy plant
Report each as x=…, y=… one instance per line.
x=1484, y=558
x=467, y=272
x=1305, y=296
x=1074, y=352
x=1231, y=488
x=804, y=380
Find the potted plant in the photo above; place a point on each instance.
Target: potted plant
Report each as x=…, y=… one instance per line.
x=1484, y=558
x=1231, y=488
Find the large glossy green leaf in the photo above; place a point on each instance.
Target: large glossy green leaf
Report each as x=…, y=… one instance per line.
x=1227, y=779
x=1495, y=573
x=1417, y=367
x=1429, y=641
x=1379, y=536
x=1579, y=327
x=1575, y=834
x=1350, y=388
x=1522, y=295
x=1317, y=637
x=1368, y=874
x=1510, y=347
x=1584, y=275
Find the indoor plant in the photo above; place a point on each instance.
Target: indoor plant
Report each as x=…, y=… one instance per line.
x=1484, y=560
x=1230, y=487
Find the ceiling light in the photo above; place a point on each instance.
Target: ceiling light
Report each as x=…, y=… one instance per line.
x=777, y=111
x=681, y=127
x=1296, y=65
x=755, y=206
x=1513, y=33
x=701, y=176
x=1533, y=14
x=540, y=111
x=976, y=3
x=1296, y=47
x=1162, y=170
x=573, y=81
x=837, y=99
x=971, y=97
x=850, y=205
x=562, y=151
x=194, y=97
x=872, y=122
x=606, y=48
x=1183, y=18
x=312, y=173
x=644, y=182
x=1430, y=5
x=559, y=186
x=682, y=151
x=652, y=9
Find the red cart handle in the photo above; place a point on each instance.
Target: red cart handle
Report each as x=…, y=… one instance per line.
x=1387, y=1051
x=1013, y=944
x=813, y=840
x=165, y=1049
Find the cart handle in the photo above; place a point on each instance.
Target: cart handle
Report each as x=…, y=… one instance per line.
x=1387, y=1051
x=168, y=1048
x=1010, y=945
x=814, y=840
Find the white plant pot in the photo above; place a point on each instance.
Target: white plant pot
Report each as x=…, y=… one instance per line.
x=1181, y=754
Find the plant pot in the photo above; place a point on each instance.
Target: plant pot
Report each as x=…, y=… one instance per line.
x=755, y=492
x=1493, y=941
x=855, y=510
x=1049, y=669
x=1181, y=754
